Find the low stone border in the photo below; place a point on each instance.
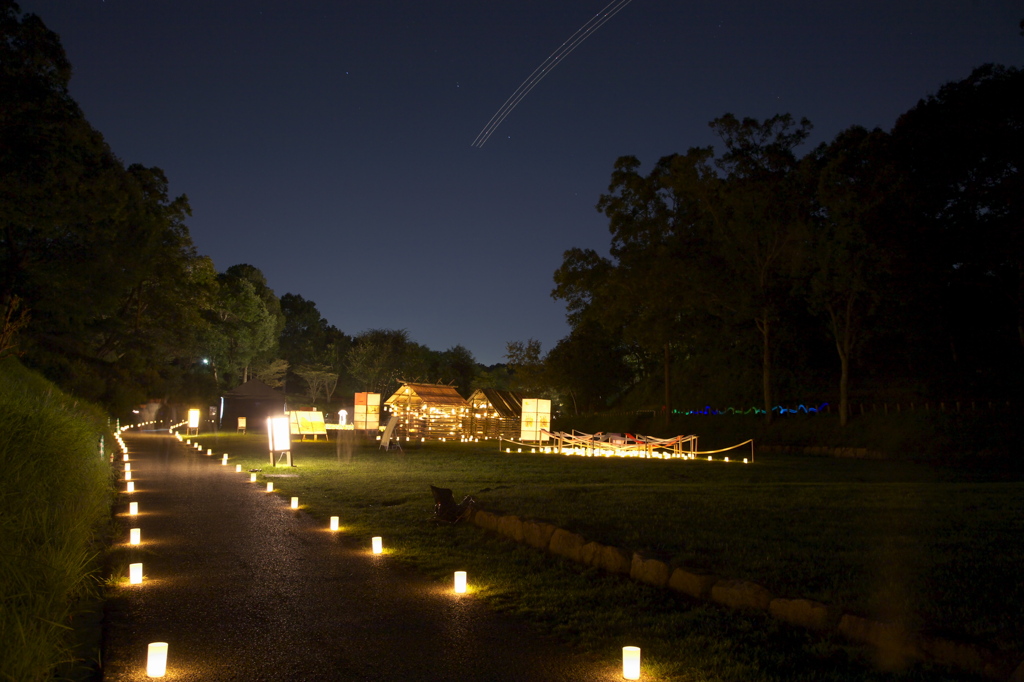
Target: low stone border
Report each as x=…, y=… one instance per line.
x=893, y=646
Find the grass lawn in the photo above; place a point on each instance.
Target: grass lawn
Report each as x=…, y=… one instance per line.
x=937, y=548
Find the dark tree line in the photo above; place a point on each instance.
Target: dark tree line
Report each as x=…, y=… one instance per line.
x=741, y=266
x=881, y=262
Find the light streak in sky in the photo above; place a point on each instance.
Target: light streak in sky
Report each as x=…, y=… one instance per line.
x=584, y=32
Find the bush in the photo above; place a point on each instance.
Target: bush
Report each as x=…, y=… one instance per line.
x=55, y=492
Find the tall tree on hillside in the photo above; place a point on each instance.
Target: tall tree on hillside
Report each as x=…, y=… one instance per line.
x=760, y=215
x=242, y=328
x=379, y=358
x=308, y=340
x=98, y=254
x=855, y=187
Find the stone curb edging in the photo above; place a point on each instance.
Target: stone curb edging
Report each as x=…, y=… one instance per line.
x=891, y=643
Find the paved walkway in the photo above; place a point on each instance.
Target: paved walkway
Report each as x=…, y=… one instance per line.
x=243, y=588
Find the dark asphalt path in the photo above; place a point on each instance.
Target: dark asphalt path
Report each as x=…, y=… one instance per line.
x=243, y=588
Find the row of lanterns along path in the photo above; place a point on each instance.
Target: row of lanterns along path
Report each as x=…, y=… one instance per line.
x=156, y=656
x=157, y=652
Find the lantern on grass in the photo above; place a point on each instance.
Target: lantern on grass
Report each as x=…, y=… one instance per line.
x=224, y=460
x=131, y=486
x=134, y=574
x=334, y=523
x=460, y=582
x=127, y=466
x=631, y=662
x=295, y=503
x=377, y=543
x=127, y=475
x=270, y=487
x=133, y=508
x=252, y=478
x=156, y=659
x=279, y=434
x=135, y=536
x=238, y=468
x=125, y=458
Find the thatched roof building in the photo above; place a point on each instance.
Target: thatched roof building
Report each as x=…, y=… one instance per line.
x=428, y=411
x=495, y=413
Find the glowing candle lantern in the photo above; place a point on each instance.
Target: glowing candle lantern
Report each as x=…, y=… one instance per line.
x=134, y=574
x=252, y=478
x=270, y=487
x=209, y=451
x=377, y=544
x=133, y=508
x=135, y=536
x=127, y=466
x=745, y=460
x=131, y=486
x=709, y=458
x=460, y=582
x=334, y=523
x=279, y=433
x=295, y=503
x=125, y=458
x=127, y=475
x=238, y=468
x=224, y=460
x=726, y=459
x=631, y=662
x=156, y=659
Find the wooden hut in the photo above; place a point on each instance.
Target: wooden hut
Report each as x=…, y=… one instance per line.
x=428, y=411
x=495, y=413
x=253, y=400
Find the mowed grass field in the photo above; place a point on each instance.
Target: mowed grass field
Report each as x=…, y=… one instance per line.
x=937, y=548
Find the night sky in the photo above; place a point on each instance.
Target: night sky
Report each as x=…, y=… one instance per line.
x=329, y=143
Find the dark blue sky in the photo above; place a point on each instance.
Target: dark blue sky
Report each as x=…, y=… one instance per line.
x=328, y=142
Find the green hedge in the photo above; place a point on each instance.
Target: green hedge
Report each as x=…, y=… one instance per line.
x=55, y=496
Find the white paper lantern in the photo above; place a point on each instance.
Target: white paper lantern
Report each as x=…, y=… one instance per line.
x=131, y=486
x=127, y=475
x=133, y=508
x=460, y=582
x=631, y=662
x=295, y=503
x=334, y=523
x=135, y=574
x=156, y=659
x=135, y=536
x=270, y=487
x=377, y=544
x=238, y=468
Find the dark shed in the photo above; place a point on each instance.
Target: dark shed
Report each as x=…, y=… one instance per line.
x=253, y=400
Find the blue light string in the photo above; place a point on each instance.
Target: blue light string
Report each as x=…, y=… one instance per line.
x=778, y=409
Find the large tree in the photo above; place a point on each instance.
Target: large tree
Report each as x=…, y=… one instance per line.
x=962, y=152
x=856, y=190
